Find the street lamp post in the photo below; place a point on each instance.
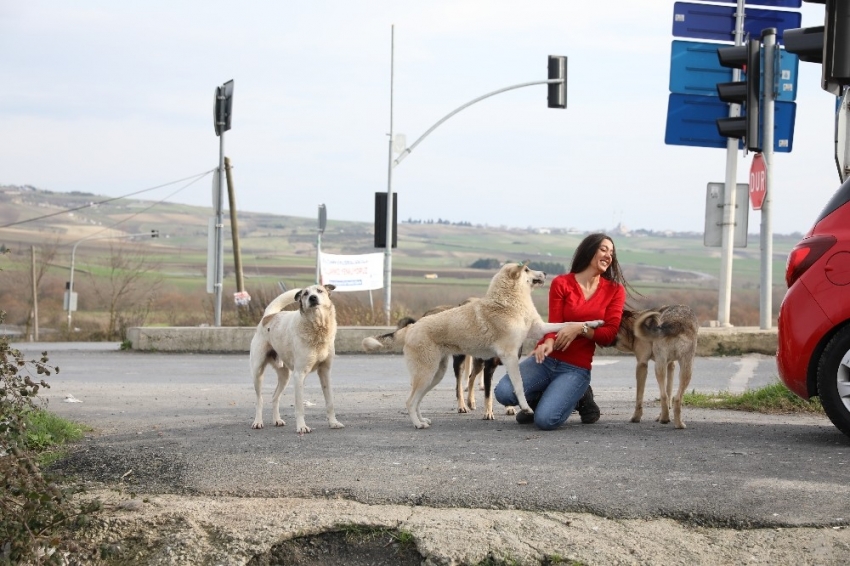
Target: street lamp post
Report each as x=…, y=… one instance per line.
x=152, y=234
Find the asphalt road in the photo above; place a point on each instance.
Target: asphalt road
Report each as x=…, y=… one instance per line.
x=181, y=423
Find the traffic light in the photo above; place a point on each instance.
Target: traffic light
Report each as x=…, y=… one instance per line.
x=223, y=108
x=747, y=92
x=828, y=44
x=557, y=91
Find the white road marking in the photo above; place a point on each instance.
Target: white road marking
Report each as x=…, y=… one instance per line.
x=738, y=382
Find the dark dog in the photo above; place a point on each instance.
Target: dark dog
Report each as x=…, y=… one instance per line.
x=666, y=335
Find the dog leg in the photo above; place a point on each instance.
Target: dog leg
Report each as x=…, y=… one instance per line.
x=423, y=381
x=489, y=369
x=282, y=380
x=257, y=370
x=685, y=371
x=324, y=372
x=661, y=377
x=477, y=367
x=640, y=376
x=300, y=426
x=459, y=365
x=511, y=363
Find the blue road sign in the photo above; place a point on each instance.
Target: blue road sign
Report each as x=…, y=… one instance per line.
x=783, y=126
x=715, y=22
x=691, y=121
x=695, y=69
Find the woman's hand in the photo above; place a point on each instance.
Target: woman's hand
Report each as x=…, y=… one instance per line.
x=543, y=350
x=566, y=335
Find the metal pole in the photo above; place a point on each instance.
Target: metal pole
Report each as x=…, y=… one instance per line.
x=388, y=254
x=766, y=302
x=71, y=282
x=724, y=301
x=219, y=243
x=318, y=256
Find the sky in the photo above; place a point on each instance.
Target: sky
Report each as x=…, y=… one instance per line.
x=114, y=98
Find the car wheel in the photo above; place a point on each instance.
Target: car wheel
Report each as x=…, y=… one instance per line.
x=834, y=380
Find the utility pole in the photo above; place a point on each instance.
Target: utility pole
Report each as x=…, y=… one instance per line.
x=234, y=227
x=34, y=335
x=766, y=232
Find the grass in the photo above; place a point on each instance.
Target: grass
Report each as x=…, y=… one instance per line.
x=771, y=399
x=46, y=432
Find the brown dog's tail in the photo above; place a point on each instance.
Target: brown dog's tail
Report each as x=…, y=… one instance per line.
x=649, y=324
x=384, y=341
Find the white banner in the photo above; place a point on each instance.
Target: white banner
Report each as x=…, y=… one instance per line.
x=352, y=272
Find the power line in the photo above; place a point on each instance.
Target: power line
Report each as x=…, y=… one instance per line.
x=195, y=178
x=157, y=203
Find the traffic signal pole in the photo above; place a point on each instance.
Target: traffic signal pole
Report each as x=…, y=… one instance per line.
x=724, y=301
x=766, y=233
x=556, y=99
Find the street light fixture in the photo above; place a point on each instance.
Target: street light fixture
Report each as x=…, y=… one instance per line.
x=152, y=234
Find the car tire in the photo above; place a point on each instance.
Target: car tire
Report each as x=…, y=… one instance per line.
x=834, y=380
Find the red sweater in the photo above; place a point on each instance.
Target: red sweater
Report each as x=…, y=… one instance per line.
x=567, y=304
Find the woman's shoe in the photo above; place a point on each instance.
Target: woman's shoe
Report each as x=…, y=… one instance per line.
x=587, y=408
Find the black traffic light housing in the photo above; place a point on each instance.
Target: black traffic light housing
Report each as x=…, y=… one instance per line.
x=557, y=97
x=828, y=44
x=381, y=220
x=223, y=108
x=747, y=93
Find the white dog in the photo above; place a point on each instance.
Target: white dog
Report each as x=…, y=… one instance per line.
x=299, y=341
x=495, y=325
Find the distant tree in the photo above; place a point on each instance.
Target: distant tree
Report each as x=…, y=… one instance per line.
x=127, y=289
x=488, y=263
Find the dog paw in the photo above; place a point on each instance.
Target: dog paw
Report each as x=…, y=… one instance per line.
x=635, y=419
x=257, y=425
x=510, y=410
x=489, y=417
x=595, y=323
x=303, y=429
x=336, y=424
x=462, y=410
x=280, y=422
x=680, y=425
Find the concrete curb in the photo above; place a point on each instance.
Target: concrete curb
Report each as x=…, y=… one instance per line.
x=237, y=339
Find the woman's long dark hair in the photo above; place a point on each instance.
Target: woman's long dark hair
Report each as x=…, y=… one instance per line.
x=585, y=252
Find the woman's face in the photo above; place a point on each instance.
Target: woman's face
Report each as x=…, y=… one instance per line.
x=604, y=256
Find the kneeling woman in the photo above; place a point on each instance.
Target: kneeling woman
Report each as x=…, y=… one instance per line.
x=556, y=377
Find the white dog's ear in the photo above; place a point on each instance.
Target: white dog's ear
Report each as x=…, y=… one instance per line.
x=298, y=295
x=330, y=287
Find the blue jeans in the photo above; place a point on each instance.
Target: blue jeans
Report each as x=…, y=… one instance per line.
x=553, y=388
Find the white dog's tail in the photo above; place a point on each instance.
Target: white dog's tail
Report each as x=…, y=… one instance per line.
x=280, y=302
x=384, y=341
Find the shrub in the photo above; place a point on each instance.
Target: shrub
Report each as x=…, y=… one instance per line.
x=36, y=515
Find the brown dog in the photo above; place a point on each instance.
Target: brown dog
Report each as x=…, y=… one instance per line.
x=666, y=335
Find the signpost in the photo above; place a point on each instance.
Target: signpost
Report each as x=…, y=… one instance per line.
x=758, y=181
x=694, y=107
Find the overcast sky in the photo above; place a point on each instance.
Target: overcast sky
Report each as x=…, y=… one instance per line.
x=116, y=97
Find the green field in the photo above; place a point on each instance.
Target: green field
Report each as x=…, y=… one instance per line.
x=274, y=249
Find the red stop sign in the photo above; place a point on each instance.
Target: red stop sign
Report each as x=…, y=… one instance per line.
x=758, y=181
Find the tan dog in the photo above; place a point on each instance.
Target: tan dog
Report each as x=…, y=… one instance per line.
x=666, y=335
x=496, y=325
x=299, y=341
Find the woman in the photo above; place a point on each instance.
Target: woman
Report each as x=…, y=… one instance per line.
x=556, y=377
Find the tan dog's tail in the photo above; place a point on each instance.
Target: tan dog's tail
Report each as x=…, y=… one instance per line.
x=384, y=341
x=280, y=302
x=649, y=326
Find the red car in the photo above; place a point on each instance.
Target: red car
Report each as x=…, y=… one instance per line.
x=813, y=354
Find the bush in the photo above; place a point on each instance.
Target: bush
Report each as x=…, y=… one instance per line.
x=36, y=515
